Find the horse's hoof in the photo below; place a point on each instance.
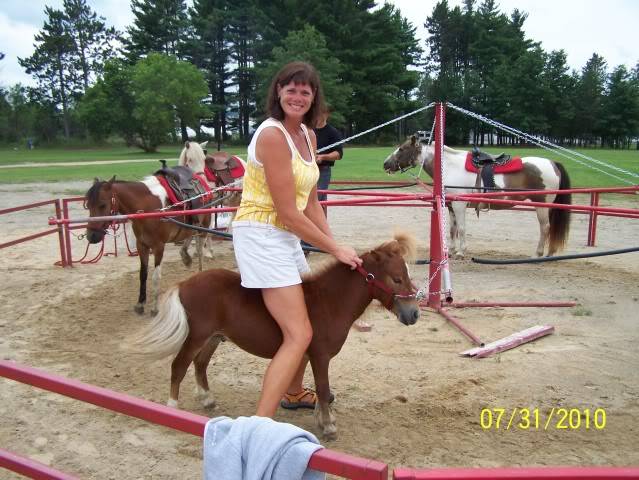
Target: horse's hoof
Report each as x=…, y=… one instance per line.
x=208, y=403
x=172, y=403
x=139, y=309
x=330, y=432
x=154, y=312
x=187, y=260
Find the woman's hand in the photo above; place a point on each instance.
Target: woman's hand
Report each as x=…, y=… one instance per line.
x=348, y=256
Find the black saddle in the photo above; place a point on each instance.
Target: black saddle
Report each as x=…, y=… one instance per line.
x=183, y=183
x=481, y=159
x=180, y=175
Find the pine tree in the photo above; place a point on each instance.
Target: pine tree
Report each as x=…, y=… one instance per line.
x=94, y=42
x=52, y=64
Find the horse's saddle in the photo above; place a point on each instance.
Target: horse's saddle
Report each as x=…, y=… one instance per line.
x=481, y=159
x=222, y=168
x=182, y=184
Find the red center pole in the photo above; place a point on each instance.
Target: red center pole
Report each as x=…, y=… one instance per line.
x=436, y=245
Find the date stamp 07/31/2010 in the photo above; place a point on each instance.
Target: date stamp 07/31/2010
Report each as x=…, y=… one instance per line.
x=556, y=418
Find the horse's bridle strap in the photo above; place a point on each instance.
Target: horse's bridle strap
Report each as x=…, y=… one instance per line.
x=372, y=282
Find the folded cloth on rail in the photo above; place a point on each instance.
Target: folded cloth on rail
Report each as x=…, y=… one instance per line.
x=257, y=448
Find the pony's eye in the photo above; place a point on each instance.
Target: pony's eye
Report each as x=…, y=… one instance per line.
x=397, y=280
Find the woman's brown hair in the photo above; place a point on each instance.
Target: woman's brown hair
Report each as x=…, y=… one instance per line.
x=297, y=72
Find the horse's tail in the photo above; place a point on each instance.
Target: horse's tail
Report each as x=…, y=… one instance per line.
x=168, y=330
x=560, y=218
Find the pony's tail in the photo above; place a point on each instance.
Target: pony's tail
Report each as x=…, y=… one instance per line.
x=560, y=218
x=167, y=331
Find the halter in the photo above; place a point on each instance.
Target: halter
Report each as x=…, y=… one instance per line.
x=372, y=282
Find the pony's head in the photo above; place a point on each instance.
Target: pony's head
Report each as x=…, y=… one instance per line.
x=406, y=156
x=388, y=277
x=193, y=156
x=99, y=200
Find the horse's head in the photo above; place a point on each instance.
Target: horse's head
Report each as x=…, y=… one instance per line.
x=388, y=277
x=407, y=155
x=192, y=156
x=99, y=201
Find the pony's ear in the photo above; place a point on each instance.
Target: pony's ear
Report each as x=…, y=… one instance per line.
x=413, y=139
x=203, y=144
x=407, y=244
x=187, y=144
x=112, y=179
x=96, y=180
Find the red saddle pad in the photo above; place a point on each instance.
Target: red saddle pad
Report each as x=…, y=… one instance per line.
x=514, y=165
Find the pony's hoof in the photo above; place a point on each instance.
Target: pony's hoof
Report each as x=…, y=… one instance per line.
x=330, y=432
x=208, y=403
x=154, y=312
x=139, y=309
x=187, y=260
x=172, y=403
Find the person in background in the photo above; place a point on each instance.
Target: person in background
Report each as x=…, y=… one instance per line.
x=279, y=206
x=327, y=135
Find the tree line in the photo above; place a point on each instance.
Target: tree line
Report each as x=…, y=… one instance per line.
x=180, y=68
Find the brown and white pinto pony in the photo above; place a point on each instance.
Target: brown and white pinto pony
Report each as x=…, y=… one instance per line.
x=151, y=234
x=537, y=174
x=196, y=313
x=194, y=157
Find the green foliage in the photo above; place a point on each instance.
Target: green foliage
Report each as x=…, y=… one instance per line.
x=308, y=45
x=163, y=87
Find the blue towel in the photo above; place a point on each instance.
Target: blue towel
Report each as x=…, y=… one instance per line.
x=257, y=448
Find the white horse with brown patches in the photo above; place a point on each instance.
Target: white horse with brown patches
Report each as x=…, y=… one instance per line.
x=537, y=173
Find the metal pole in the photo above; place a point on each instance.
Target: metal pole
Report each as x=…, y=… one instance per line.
x=592, y=219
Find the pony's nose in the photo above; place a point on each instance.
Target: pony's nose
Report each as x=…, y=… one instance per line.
x=415, y=317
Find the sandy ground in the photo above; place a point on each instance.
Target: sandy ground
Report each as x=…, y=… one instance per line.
x=404, y=395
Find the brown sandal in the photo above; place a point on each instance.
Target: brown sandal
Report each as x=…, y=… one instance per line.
x=307, y=398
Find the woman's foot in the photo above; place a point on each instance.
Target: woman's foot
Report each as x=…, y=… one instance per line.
x=307, y=398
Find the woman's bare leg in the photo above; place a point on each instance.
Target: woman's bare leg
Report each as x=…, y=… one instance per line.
x=288, y=308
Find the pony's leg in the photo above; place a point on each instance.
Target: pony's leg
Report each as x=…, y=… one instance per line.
x=180, y=365
x=452, y=219
x=543, y=216
x=324, y=416
x=158, y=253
x=199, y=243
x=143, y=253
x=201, y=362
x=184, y=251
x=460, y=220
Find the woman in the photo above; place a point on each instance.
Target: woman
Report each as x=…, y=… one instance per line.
x=279, y=206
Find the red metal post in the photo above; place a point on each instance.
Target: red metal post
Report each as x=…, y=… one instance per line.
x=58, y=215
x=436, y=245
x=592, y=219
x=67, y=232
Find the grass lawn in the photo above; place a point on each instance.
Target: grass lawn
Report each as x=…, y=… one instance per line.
x=359, y=163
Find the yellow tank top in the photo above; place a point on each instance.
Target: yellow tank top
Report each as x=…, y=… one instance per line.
x=257, y=203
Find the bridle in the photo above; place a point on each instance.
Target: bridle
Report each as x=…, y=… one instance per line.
x=114, y=210
x=372, y=282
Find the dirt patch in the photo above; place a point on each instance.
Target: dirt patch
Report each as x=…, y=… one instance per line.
x=404, y=396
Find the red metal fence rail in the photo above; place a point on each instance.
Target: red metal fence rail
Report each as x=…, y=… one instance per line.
x=58, y=215
x=324, y=460
x=545, y=473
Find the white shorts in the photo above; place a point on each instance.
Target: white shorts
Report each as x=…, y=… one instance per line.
x=267, y=256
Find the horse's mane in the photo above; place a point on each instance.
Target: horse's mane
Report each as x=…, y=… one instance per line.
x=447, y=149
x=183, y=153
x=403, y=243
x=93, y=193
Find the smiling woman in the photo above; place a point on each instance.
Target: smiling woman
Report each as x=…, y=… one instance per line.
x=279, y=206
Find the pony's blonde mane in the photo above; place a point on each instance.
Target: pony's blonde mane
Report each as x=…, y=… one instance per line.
x=192, y=151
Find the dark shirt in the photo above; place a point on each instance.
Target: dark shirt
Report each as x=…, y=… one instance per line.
x=328, y=135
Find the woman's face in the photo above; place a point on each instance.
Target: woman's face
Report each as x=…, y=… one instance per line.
x=295, y=99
